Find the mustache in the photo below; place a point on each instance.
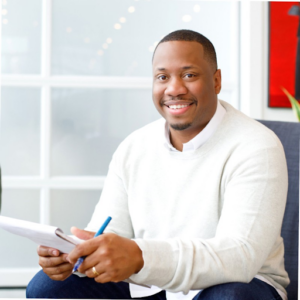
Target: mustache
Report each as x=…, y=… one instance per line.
x=163, y=101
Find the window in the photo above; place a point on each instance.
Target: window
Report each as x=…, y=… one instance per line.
x=76, y=80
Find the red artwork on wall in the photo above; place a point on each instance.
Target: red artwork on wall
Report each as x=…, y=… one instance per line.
x=284, y=52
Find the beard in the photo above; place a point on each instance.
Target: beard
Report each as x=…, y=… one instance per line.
x=180, y=127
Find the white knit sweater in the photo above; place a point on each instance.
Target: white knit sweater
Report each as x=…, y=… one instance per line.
x=205, y=217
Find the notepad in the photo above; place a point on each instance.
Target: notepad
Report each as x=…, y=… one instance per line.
x=44, y=235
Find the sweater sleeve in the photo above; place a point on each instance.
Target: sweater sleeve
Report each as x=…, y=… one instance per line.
x=254, y=191
x=113, y=202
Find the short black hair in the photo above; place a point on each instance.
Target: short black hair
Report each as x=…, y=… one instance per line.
x=193, y=36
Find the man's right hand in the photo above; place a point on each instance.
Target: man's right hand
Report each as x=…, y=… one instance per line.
x=54, y=263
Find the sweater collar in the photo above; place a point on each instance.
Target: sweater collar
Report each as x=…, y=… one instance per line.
x=202, y=136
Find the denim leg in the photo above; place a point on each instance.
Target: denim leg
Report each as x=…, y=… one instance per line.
x=41, y=286
x=74, y=287
x=254, y=290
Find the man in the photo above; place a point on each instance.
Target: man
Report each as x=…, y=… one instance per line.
x=197, y=198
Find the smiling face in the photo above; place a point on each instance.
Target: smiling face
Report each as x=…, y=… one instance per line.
x=185, y=86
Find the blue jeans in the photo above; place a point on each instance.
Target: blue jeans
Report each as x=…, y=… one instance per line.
x=41, y=286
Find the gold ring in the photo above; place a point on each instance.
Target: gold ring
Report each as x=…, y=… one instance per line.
x=95, y=272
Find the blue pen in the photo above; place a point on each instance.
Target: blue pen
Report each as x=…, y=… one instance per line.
x=100, y=231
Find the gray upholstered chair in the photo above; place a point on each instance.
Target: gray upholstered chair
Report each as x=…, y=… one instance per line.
x=289, y=134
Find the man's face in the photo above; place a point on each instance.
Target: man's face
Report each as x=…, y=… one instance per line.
x=185, y=85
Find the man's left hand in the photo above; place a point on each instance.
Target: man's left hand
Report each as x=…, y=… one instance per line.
x=114, y=258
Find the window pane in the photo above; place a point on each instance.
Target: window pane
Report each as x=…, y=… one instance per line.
x=80, y=203
x=20, y=131
x=20, y=204
x=21, y=36
x=117, y=38
x=89, y=124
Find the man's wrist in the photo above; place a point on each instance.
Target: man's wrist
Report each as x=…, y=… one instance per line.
x=139, y=258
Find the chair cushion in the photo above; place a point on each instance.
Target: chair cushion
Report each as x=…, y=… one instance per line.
x=289, y=135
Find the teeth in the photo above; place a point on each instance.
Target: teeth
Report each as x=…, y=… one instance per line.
x=178, y=106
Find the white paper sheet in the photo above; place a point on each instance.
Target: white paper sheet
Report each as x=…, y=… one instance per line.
x=41, y=234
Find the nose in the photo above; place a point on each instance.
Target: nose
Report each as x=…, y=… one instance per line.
x=176, y=87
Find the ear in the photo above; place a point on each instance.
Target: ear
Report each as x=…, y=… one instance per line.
x=218, y=81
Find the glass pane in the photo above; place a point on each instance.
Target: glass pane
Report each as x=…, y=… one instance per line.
x=20, y=204
x=117, y=38
x=20, y=131
x=225, y=95
x=21, y=36
x=81, y=203
x=89, y=124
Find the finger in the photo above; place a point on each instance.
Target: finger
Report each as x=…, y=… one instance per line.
x=104, y=278
x=60, y=269
x=60, y=277
x=84, y=249
x=89, y=262
x=48, y=262
x=94, y=273
x=95, y=252
x=82, y=234
x=47, y=251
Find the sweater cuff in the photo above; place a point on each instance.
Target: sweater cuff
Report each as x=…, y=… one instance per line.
x=160, y=262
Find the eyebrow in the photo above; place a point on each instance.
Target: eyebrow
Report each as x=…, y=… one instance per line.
x=183, y=68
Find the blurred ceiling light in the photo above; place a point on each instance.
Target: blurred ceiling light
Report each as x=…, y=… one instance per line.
x=122, y=20
x=4, y=21
x=4, y=12
x=69, y=29
x=197, y=8
x=109, y=40
x=86, y=40
x=151, y=48
x=104, y=46
x=131, y=9
x=117, y=26
x=4, y=2
x=100, y=52
x=155, y=43
x=186, y=18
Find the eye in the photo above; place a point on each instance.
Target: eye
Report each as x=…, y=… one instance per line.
x=162, y=77
x=189, y=75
